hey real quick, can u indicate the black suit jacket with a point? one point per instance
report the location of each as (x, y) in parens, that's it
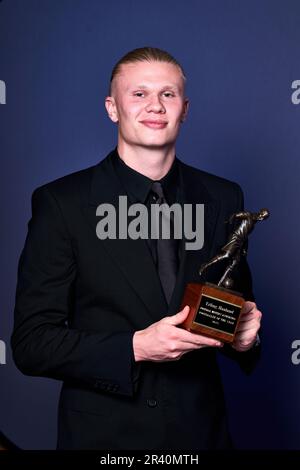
(79, 301)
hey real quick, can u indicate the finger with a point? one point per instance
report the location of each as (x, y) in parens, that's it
(187, 338)
(254, 325)
(254, 314)
(179, 317)
(199, 340)
(248, 307)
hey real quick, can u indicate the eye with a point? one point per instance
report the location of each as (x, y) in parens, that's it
(139, 94)
(168, 94)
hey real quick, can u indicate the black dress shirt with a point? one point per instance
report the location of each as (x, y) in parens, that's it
(138, 188)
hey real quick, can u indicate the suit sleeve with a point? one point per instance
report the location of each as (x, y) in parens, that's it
(42, 342)
(243, 283)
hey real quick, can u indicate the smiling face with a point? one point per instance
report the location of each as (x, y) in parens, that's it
(148, 103)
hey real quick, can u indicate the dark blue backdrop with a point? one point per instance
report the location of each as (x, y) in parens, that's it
(241, 58)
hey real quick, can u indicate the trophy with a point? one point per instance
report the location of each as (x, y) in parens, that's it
(215, 309)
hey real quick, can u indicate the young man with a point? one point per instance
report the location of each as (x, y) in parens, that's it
(101, 313)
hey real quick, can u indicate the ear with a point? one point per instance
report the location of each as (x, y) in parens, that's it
(111, 108)
(185, 109)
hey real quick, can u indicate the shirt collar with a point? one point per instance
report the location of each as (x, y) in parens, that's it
(138, 186)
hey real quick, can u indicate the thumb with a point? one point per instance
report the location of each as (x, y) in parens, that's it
(179, 317)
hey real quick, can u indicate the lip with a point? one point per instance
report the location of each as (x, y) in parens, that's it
(154, 124)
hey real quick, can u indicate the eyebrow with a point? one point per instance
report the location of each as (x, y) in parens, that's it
(145, 87)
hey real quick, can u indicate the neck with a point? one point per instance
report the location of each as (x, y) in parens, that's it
(151, 162)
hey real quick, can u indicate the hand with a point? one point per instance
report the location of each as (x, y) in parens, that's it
(248, 327)
(164, 341)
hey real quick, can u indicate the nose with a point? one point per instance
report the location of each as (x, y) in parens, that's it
(155, 105)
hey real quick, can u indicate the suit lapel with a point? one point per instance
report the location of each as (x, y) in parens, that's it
(132, 256)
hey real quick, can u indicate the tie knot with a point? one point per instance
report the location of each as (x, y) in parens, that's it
(158, 190)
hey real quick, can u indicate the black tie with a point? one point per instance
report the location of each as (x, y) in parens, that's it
(166, 248)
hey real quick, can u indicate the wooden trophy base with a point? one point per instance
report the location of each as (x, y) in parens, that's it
(214, 311)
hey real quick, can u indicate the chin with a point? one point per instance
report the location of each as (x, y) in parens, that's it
(158, 143)
(155, 145)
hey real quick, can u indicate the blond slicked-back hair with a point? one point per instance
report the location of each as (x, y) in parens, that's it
(145, 54)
